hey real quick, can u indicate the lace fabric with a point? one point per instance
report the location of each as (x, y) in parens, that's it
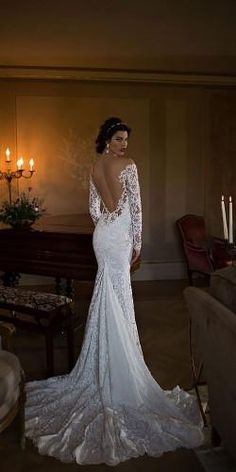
(110, 408)
(131, 193)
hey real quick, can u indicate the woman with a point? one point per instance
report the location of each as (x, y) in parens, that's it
(110, 408)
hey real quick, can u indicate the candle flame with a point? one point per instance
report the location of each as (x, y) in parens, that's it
(31, 164)
(8, 153)
(20, 163)
(230, 199)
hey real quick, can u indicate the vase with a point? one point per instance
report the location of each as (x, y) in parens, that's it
(22, 224)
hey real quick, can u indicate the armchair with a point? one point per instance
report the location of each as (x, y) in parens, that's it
(11, 383)
(203, 253)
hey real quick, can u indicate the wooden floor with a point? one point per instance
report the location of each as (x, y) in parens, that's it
(162, 321)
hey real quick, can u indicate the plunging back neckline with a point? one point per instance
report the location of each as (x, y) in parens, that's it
(121, 199)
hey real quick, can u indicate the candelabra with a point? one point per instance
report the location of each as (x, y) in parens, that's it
(10, 175)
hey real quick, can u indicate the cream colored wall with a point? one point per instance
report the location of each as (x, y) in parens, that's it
(177, 142)
(177, 36)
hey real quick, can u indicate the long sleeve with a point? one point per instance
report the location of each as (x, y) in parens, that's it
(135, 205)
(94, 202)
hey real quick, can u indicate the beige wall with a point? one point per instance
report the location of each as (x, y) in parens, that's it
(170, 35)
(183, 141)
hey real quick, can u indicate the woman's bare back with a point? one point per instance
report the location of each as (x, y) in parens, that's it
(105, 174)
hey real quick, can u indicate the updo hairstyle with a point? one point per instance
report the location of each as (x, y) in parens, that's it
(106, 131)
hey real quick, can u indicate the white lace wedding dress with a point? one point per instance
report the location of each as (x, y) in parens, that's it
(110, 408)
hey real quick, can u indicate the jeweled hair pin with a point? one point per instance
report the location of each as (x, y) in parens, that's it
(114, 125)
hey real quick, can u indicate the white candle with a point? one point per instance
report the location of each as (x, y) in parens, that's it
(31, 164)
(231, 237)
(225, 227)
(8, 153)
(20, 163)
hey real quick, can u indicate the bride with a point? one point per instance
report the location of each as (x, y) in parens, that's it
(110, 408)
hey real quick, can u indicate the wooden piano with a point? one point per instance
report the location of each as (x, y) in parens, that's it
(64, 256)
(59, 254)
(49, 253)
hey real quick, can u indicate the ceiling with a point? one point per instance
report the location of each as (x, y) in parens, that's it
(170, 35)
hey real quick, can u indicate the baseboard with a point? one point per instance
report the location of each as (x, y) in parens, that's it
(160, 271)
(147, 271)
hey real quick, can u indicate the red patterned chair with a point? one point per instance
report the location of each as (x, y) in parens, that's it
(203, 253)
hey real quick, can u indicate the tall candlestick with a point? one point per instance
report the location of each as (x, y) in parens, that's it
(225, 227)
(231, 237)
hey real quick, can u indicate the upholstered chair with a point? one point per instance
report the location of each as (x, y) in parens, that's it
(203, 253)
(11, 383)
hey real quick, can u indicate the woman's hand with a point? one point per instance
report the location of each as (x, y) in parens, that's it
(135, 255)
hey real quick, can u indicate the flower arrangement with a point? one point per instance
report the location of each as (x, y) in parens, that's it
(22, 212)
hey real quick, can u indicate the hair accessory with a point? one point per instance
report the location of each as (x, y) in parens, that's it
(114, 125)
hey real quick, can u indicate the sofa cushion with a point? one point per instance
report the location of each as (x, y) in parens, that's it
(223, 286)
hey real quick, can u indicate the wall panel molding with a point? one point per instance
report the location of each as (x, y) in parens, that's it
(160, 271)
(114, 75)
(148, 271)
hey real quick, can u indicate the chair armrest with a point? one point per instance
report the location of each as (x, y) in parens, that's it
(6, 331)
(198, 257)
(199, 248)
(220, 241)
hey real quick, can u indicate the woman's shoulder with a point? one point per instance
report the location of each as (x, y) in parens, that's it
(113, 166)
(130, 167)
(128, 163)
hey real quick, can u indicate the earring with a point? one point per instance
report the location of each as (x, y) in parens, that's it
(107, 148)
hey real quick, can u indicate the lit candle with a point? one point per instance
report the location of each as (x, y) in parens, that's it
(231, 238)
(31, 164)
(225, 227)
(8, 153)
(20, 163)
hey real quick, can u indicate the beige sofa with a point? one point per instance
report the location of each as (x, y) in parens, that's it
(11, 383)
(213, 316)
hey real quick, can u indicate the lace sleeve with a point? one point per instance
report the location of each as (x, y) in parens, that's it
(135, 205)
(94, 202)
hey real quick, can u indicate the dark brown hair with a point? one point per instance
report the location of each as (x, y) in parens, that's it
(106, 131)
